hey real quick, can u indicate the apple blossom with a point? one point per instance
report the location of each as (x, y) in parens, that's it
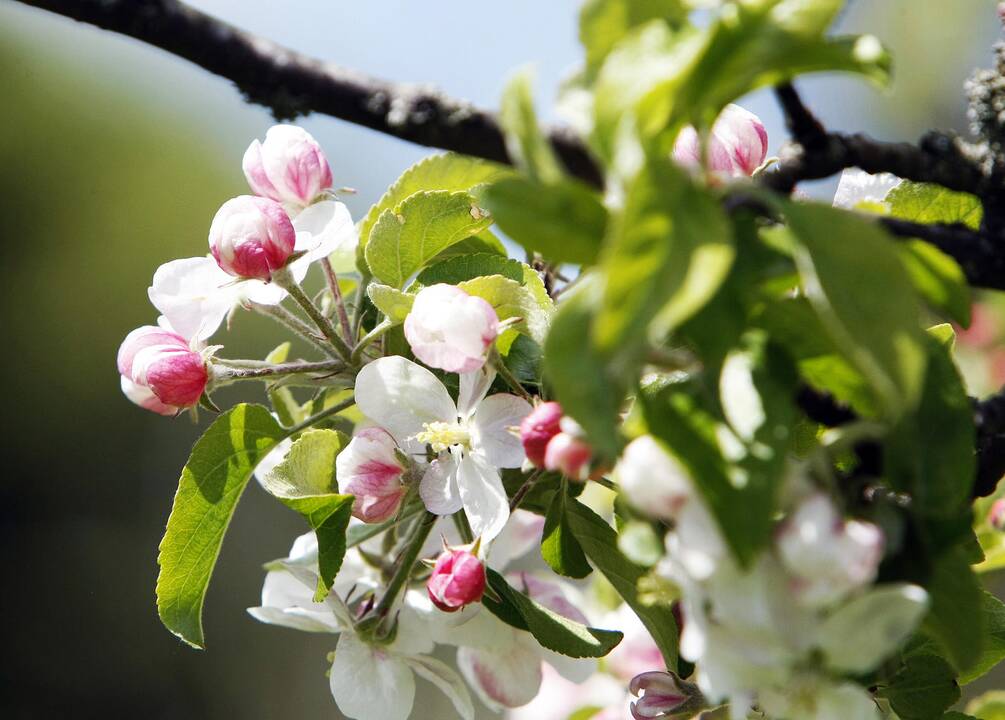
(828, 556)
(568, 454)
(155, 361)
(857, 187)
(289, 167)
(251, 237)
(996, 515)
(663, 694)
(370, 470)
(449, 329)
(367, 680)
(458, 579)
(471, 439)
(737, 144)
(538, 428)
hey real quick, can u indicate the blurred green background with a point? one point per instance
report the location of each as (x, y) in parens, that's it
(113, 159)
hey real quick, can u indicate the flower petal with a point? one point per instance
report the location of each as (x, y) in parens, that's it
(493, 429)
(324, 229)
(576, 670)
(194, 294)
(510, 678)
(438, 487)
(473, 387)
(483, 496)
(369, 682)
(401, 397)
(446, 680)
(522, 532)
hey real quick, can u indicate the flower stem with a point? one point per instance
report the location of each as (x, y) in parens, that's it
(369, 338)
(509, 377)
(291, 322)
(318, 417)
(337, 298)
(270, 371)
(284, 279)
(521, 493)
(406, 562)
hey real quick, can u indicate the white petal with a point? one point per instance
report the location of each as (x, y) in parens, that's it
(864, 631)
(438, 487)
(484, 497)
(473, 387)
(194, 295)
(269, 463)
(263, 293)
(493, 429)
(369, 682)
(846, 702)
(446, 680)
(296, 618)
(282, 590)
(503, 679)
(401, 397)
(413, 636)
(576, 670)
(521, 534)
(326, 228)
(857, 186)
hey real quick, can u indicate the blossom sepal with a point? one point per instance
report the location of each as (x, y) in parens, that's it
(664, 695)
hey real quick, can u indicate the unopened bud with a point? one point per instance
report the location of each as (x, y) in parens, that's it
(996, 515)
(160, 371)
(458, 579)
(449, 329)
(663, 695)
(537, 430)
(251, 237)
(736, 147)
(289, 167)
(569, 455)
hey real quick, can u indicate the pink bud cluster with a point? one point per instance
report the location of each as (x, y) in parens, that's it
(553, 441)
(160, 372)
(663, 695)
(458, 579)
(736, 147)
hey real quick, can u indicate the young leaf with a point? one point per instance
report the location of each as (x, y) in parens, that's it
(956, 619)
(600, 543)
(395, 304)
(602, 23)
(923, 689)
(468, 267)
(406, 238)
(526, 144)
(305, 482)
(938, 279)
(926, 203)
(551, 630)
(211, 483)
(559, 547)
(869, 308)
(993, 623)
(437, 172)
(563, 221)
(587, 388)
(989, 706)
(669, 250)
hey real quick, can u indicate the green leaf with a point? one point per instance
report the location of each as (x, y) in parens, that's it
(483, 243)
(955, 619)
(589, 392)
(989, 706)
(993, 623)
(448, 172)
(510, 299)
(668, 252)
(855, 281)
(602, 23)
(600, 543)
(283, 402)
(640, 543)
(559, 547)
(938, 279)
(923, 689)
(305, 482)
(551, 630)
(211, 483)
(468, 267)
(925, 203)
(526, 144)
(405, 239)
(563, 221)
(395, 304)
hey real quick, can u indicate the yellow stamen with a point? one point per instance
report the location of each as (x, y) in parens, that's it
(441, 435)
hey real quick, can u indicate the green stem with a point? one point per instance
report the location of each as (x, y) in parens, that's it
(284, 279)
(406, 562)
(521, 493)
(271, 371)
(318, 417)
(463, 527)
(291, 322)
(357, 311)
(369, 338)
(337, 298)
(365, 532)
(509, 377)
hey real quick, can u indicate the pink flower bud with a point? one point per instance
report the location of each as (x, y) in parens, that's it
(663, 695)
(736, 147)
(538, 428)
(458, 579)
(996, 515)
(369, 469)
(289, 167)
(251, 237)
(569, 455)
(157, 364)
(449, 329)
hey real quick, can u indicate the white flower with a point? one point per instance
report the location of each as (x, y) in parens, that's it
(857, 187)
(473, 438)
(195, 295)
(367, 680)
(828, 556)
(449, 329)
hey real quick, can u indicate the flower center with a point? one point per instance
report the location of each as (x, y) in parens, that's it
(441, 435)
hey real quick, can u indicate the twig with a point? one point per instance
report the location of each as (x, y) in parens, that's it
(332, 279)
